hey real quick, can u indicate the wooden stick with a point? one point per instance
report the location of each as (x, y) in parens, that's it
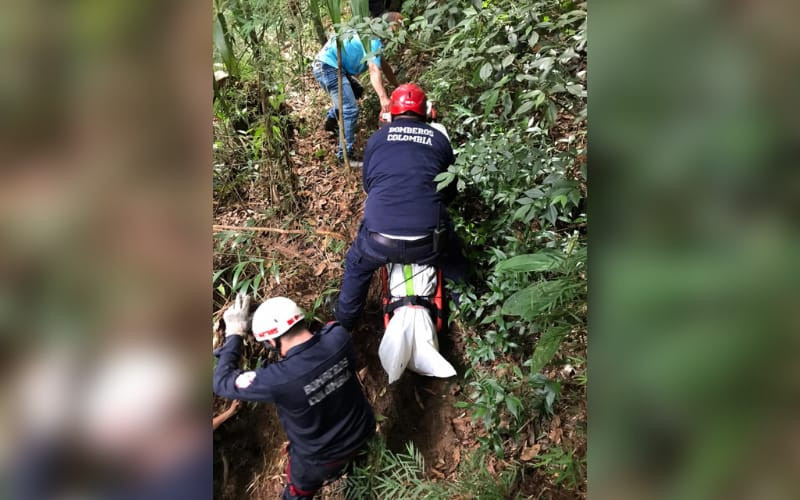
(219, 227)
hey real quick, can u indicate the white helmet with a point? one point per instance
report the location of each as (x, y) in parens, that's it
(274, 317)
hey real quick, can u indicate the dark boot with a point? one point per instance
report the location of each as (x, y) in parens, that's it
(331, 124)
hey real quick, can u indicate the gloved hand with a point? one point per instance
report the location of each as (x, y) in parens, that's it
(236, 317)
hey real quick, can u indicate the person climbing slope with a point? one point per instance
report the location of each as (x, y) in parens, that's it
(405, 217)
(320, 402)
(324, 70)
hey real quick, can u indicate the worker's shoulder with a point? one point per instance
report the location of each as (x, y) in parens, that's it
(335, 329)
(379, 135)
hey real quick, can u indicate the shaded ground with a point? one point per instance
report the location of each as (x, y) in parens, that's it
(248, 456)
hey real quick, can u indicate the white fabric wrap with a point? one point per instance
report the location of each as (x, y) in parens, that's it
(441, 128)
(410, 338)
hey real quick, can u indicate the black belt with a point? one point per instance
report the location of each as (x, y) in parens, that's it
(389, 242)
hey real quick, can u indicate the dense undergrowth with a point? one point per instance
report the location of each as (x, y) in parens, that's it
(510, 77)
(509, 81)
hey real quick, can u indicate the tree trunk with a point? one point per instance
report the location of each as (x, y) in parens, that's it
(316, 20)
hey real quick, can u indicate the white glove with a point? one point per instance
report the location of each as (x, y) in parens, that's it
(236, 316)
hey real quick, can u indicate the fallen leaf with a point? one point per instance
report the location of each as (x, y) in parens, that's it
(490, 466)
(555, 430)
(555, 435)
(456, 457)
(320, 268)
(461, 425)
(529, 452)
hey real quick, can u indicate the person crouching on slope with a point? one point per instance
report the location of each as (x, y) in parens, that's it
(319, 399)
(405, 217)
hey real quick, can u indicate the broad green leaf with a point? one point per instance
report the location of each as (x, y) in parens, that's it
(551, 112)
(575, 89)
(551, 214)
(221, 43)
(335, 10)
(496, 49)
(360, 8)
(444, 179)
(526, 106)
(560, 199)
(547, 347)
(502, 81)
(490, 102)
(513, 405)
(533, 300)
(486, 71)
(508, 59)
(217, 275)
(534, 193)
(521, 212)
(236, 272)
(546, 260)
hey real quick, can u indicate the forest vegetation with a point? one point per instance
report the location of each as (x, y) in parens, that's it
(508, 79)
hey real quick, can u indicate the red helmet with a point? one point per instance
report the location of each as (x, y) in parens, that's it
(408, 97)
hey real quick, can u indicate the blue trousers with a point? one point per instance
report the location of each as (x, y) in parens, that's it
(366, 255)
(326, 76)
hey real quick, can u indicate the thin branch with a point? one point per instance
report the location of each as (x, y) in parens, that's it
(219, 228)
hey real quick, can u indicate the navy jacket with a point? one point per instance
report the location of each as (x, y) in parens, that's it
(400, 162)
(319, 399)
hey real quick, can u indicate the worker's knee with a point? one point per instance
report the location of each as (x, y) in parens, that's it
(350, 111)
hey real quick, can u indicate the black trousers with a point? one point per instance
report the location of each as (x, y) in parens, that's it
(304, 477)
(366, 255)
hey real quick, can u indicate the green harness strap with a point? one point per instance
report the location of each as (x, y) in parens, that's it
(409, 275)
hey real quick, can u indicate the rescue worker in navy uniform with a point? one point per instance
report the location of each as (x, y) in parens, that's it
(405, 217)
(319, 399)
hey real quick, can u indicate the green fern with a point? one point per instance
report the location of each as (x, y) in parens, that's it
(387, 474)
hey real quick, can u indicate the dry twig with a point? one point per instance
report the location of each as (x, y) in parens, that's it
(220, 227)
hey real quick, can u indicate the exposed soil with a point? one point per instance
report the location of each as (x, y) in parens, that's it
(248, 458)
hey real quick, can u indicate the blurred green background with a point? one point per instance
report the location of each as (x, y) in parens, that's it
(694, 245)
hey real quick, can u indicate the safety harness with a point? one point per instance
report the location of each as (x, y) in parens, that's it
(433, 303)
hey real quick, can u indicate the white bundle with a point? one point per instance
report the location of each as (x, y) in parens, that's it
(410, 338)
